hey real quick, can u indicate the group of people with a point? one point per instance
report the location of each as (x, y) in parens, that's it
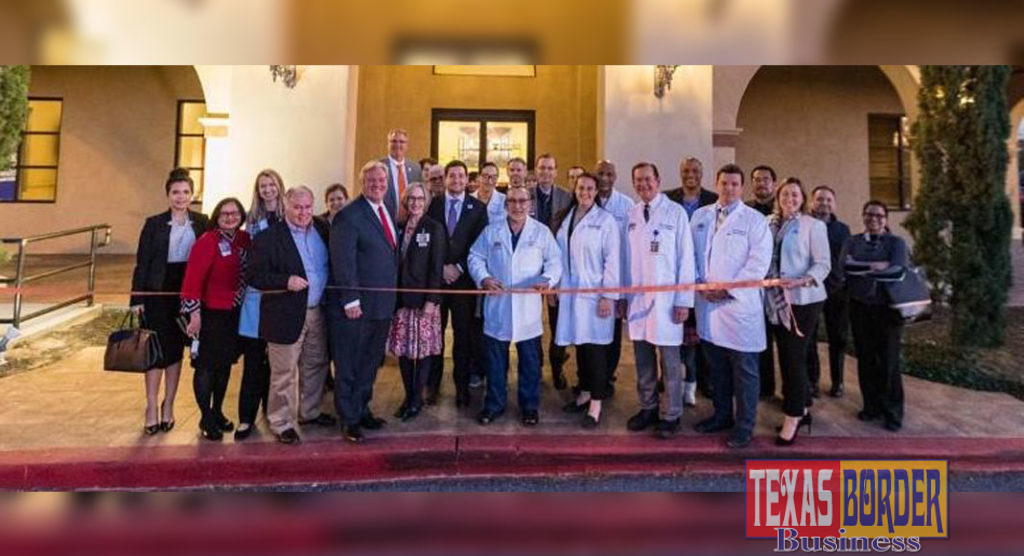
(704, 284)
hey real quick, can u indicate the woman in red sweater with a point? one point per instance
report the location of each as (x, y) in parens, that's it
(210, 297)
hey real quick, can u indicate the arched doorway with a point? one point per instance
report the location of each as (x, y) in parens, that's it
(844, 126)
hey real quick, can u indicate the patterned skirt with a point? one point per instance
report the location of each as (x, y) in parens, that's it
(414, 334)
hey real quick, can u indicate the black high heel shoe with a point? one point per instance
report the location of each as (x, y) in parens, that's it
(165, 426)
(805, 420)
(150, 430)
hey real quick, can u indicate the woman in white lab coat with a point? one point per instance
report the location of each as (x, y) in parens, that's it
(589, 241)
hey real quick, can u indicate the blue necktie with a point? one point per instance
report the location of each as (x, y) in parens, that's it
(453, 216)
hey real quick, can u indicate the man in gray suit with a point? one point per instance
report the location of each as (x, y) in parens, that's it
(401, 172)
(364, 254)
(549, 202)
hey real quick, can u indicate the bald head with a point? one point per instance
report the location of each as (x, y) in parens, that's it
(606, 175)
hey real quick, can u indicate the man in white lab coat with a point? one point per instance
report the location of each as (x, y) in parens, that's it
(516, 253)
(619, 204)
(733, 243)
(660, 253)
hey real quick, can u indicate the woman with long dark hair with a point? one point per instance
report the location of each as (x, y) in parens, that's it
(210, 297)
(588, 238)
(164, 246)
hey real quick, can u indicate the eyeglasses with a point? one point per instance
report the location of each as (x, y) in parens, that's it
(418, 198)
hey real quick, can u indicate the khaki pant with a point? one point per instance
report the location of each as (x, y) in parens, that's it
(297, 374)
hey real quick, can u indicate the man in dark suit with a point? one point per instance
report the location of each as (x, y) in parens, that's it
(401, 172)
(292, 255)
(364, 254)
(549, 202)
(763, 177)
(692, 196)
(463, 217)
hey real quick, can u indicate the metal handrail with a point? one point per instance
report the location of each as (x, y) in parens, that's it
(20, 279)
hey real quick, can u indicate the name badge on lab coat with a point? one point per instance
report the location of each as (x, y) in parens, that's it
(225, 248)
(655, 243)
(423, 239)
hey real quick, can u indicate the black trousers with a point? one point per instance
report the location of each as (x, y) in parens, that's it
(766, 362)
(557, 354)
(837, 322)
(592, 367)
(255, 380)
(793, 357)
(877, 338)
(689, 356)
(465, 339)
(414, 378)
(357, 346)
(614, 351)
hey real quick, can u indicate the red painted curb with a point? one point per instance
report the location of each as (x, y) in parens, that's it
(450, 457)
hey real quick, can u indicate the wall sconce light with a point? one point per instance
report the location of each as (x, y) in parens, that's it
(663, 79)
(289, 75)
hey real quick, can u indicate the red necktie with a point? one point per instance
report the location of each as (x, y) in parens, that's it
(387, 229)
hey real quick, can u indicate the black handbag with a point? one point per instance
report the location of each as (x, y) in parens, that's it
(908, 292)
(132, 349)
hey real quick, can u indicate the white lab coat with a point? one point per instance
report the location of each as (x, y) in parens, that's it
(740, 250)
(495, 207)
(515, 317)
(660, 253)
(619, 205)
(590, 260)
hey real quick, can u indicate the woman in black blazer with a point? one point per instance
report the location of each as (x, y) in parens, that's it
(416, 329)
(164, 245)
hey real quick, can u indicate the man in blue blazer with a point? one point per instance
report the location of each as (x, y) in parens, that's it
(364, 254)
(401, 172)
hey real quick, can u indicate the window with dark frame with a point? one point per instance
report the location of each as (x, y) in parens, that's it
(33, 174)
(889, 160)
(478, 136)
(190, 143)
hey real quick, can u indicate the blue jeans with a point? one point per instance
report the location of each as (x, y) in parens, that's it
(734, 373)
(496, 364)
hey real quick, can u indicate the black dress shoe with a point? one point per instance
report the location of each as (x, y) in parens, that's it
(212, 433)
(225, 424)
(322, 420)
(893, 425)
(243, 431)
(573, 407)
(530, 418)
(486, 417)
(643, 419)
(431, 397)
(372, 423)
(400, 411)
(589, 422)
(353, 434)
(410, 413)
(736, 441)
(667, 429)
(865, 415)
(711, 425)
(289, 437)
(836, 391)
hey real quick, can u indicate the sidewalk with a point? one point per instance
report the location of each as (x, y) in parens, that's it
(72, 425)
